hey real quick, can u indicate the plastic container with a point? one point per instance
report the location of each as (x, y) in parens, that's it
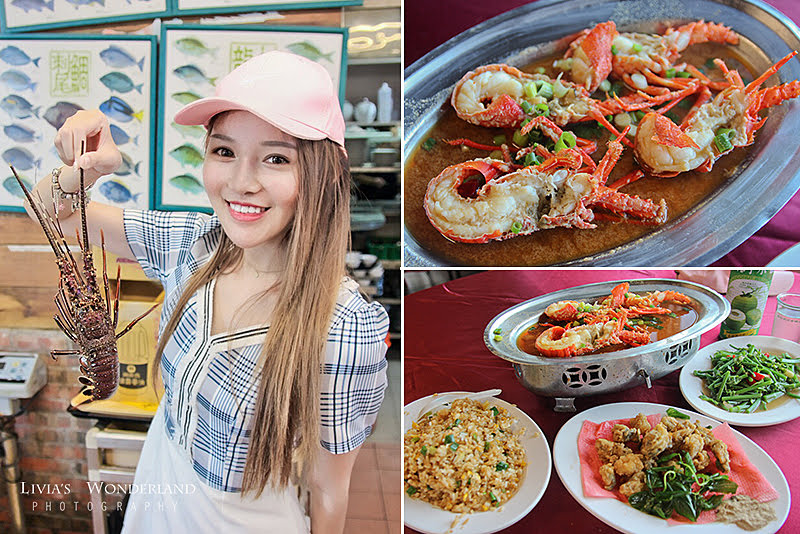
(385, 103)
(747, 293)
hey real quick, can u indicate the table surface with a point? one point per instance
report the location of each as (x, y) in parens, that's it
(429, 24)
(444, 351)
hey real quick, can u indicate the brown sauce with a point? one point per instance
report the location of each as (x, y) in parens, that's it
(547, 247)
(685, 317)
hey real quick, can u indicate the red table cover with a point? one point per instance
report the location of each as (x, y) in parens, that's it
(444, 351)
(429, 24)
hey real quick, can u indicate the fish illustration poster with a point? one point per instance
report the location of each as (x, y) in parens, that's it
(24, 15)
(194, 58)
(45, 80)
(207, 6)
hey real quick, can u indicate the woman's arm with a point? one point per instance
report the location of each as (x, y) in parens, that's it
(330, 486)
(101, 157)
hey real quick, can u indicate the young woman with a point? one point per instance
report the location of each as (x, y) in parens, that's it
(273, 364)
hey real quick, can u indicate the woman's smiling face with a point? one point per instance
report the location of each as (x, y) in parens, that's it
(250, 174)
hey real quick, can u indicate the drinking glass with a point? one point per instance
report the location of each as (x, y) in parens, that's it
(787, 317)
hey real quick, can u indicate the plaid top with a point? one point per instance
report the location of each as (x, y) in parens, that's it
(210, 381)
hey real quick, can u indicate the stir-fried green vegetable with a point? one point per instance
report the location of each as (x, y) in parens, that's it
(679, 488)
(746, 379)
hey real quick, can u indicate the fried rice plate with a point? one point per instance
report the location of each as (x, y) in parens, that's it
(464, 458)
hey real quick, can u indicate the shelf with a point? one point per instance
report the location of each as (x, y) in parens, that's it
(373, 124)
(374, 61)
(374, 169)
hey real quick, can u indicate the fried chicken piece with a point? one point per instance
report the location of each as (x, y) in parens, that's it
(624, 434)
(641, 424)
(702, 460)
(634, 485)
(720, 450)
(607, 476)
(708, 436)
(656, 441)
(691, 442)
(610, 451)
(628, 465)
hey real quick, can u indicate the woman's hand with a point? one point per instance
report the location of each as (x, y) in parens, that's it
(101, 155)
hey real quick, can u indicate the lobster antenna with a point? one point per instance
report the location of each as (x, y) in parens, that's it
(47, 232)
(82, 198)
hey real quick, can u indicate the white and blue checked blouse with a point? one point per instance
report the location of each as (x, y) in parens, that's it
(209, 382)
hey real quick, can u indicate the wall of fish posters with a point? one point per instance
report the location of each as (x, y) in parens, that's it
(46, 79)
(26, 15)
(193, 58)
(220, 6)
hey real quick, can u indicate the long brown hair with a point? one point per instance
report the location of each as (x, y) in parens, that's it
(286, 420)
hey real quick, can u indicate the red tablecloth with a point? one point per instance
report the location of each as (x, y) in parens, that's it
(429, 24)
(444, 351)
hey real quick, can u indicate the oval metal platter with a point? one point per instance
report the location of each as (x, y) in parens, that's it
(711, 308)
(758, 187)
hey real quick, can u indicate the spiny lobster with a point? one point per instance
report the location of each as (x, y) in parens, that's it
(84, 315)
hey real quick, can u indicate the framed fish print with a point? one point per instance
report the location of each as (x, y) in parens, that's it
(202, 7)
(29, 15)
(44, 80)
(192, 58)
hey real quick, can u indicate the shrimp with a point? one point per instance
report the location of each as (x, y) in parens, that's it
(639, 59)
(664, 149)
(504, 204)
(494, 95)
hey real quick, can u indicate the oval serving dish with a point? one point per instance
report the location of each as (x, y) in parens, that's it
(611, 371)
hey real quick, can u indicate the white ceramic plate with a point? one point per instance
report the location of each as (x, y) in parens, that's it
(788, 258)
(785, 409)
(424, 517)
(627, 519)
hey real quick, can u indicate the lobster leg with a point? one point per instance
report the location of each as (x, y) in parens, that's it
(133, 323)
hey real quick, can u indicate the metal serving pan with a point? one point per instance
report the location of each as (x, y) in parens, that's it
(567, 378)
(759, 187)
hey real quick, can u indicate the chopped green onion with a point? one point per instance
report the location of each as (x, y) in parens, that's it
(669, 73)
(723, 143)
(539, 70)
(520, 139)
(501, 466)
(424, 450)
(497, 331)
(516, 227)
(495, 411)
(499, 139)
(531, 159)
(411, 490)
(428, 143)
(636, 47)
(486, 445)
(614, 49)
(545, 89)
(683, 74)
(448, 438)
(542, 109)
(453, 446)
(639, 114)
(499, 337)
(566, 140)
(530, 90)
(492, 496)
(526, 107)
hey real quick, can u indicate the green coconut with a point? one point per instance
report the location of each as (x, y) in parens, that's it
(744, 302)
(735, 320)
(752, 317)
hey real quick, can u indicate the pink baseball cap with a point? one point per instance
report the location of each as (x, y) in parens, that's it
(288, 91)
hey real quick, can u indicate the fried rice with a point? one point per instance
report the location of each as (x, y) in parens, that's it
(464, 458)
